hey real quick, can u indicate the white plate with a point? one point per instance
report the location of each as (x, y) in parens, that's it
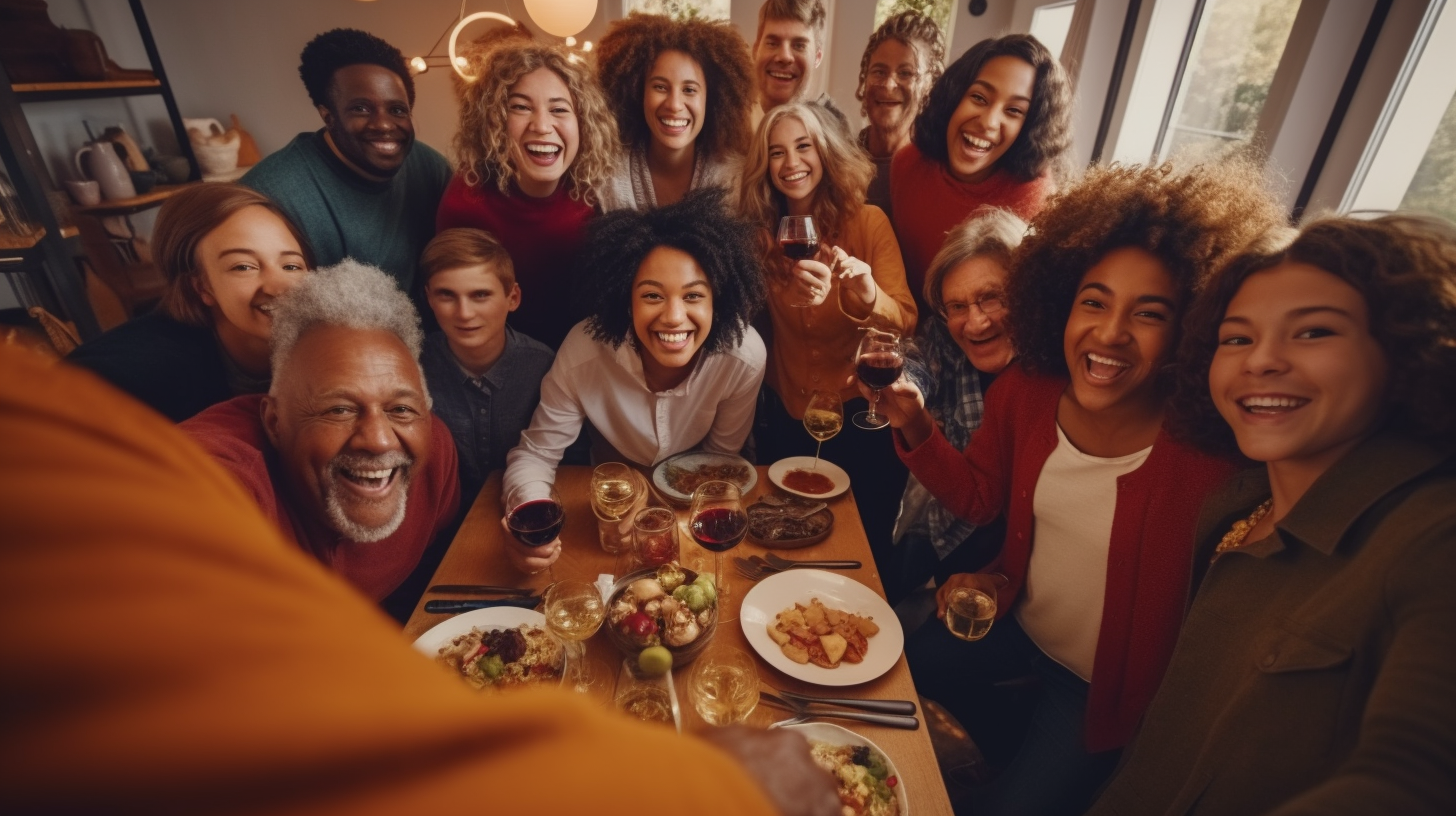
(778, 592)
(835, 473)
(498, 617)
(696, 459)
(835, 735)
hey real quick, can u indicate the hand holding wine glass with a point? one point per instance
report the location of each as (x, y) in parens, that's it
(534, 518)
(718, 523)
(823, 418)
(877, 365)
(809, 280)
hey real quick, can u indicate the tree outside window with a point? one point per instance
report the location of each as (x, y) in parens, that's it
(941, 11)
(683, 9)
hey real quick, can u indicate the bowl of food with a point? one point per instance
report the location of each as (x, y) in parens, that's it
(678, 476)
(782, 522)
(669, 606)
(497, 648)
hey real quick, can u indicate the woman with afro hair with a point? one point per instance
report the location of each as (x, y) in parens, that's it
(993, 132)
(666, 360)
(535, 146)
(681, 92)
(1099, 499)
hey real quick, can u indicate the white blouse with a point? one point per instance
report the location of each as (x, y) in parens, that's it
(590, 380)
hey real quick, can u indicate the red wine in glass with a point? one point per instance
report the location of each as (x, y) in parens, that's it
(879, 369)
(719, 528)
(800, 249)
(537, 523)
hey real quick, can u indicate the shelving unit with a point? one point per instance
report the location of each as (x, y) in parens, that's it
(48, 259)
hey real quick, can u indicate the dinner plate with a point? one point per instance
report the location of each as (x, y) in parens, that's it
(691, 460)
(836, 735)
(498, 617)
(778, 592)
(836, 474)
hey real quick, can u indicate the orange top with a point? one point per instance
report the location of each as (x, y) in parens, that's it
(814, 347)
(167, 651)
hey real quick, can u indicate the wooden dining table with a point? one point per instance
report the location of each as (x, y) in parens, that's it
(477, 556)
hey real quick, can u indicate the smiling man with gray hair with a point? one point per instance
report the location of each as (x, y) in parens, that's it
(343, 453)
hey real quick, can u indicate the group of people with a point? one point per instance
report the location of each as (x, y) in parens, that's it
(1210, 490)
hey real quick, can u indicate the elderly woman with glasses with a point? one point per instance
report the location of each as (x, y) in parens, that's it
(903, 59)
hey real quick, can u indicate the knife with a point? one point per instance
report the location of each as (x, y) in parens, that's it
(882, 706)
(439, 607)
(480, 589)
(801, 714)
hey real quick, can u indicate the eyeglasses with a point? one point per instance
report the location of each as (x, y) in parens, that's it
(989, 305)
(880, 75)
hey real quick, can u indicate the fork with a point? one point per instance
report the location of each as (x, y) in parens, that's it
(801, 713)
(752, 571)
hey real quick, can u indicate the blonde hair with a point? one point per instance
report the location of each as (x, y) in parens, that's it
(847, 172)
(482, 144)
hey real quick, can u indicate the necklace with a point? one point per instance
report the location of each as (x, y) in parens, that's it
(1234, 538)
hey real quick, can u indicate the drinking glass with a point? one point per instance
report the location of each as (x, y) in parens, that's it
(877, 364)
(823, 419)
(724, 686)
(574, 612)
(799, 240)
(650, 699)
(654, 536)
(533, 518)
(969, 613)
(615, 490)
(717, 522)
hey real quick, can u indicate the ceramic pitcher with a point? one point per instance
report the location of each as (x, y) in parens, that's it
(104, 166)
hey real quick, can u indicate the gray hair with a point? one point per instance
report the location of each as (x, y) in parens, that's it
(987, 231)
(351, 294)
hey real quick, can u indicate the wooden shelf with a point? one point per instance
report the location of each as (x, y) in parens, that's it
(135, 204)
(42, 91)
(9, 240)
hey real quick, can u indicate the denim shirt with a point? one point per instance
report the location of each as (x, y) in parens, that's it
(485, 415)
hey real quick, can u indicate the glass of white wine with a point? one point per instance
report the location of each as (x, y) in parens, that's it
(647, 698)
(969, 613)
(615, 490)
(574, 612)
(823, 419)
(724, 686)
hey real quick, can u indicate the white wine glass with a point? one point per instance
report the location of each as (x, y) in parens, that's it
(877, 364)
(724, 686)
(969, 613)
(574, 612)
(823, 418)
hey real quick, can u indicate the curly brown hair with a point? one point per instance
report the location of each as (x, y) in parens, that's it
(1047, 131)
(1195, 222)
(482, 146)
(630, 48)
(921, 35)
(847, 172)
(1404, 265)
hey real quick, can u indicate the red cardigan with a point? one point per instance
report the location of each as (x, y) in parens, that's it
(1150, 556)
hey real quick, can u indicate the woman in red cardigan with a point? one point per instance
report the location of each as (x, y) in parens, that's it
(1099, 500)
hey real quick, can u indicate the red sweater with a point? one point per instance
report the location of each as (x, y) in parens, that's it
(543, 237)
(233, 433)
(1150, 556)
(928, 201)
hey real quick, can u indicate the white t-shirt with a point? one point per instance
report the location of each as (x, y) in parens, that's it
(1060, 608)
(592, 380)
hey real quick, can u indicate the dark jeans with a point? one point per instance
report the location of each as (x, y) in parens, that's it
(1024, 710)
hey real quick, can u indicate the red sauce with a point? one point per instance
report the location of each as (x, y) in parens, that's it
(806, 481)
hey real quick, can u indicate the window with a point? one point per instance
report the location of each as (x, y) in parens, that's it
(941, 11)
(1433, 190)
(681, 9)
(1230, 67)
(1050, 25)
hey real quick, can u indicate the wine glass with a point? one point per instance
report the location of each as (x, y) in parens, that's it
(717, 522)
(799, 239)
(615, 489)
(533, 518)
(724, 686)
(878, 363)
(823, 419)
(574, 612)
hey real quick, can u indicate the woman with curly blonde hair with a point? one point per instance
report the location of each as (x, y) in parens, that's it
(1099, 499)
(903, 59)
(681, 92)
(802, 162)
(534, 150)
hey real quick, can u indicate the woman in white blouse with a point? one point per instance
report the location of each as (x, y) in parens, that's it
(666, 362)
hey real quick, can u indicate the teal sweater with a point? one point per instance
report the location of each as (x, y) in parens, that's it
(344, 215)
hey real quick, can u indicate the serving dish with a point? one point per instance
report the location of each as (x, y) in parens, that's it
(762, 518)
(778, 470)
(778, 592)
(681, 655)
(693, 460)
(837, 735)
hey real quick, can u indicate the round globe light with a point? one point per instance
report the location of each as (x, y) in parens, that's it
(563, 18)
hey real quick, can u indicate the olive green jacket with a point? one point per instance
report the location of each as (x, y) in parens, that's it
(1316, 672)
